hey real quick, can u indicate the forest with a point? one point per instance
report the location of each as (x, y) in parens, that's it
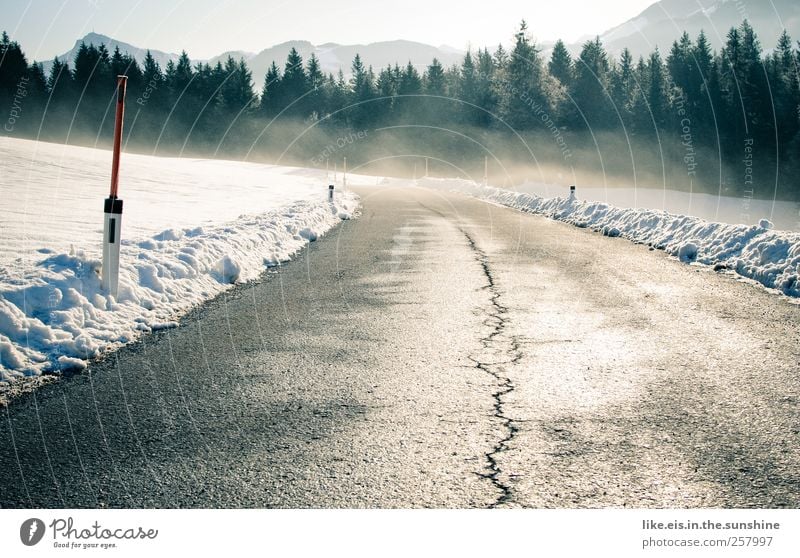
(691, 118)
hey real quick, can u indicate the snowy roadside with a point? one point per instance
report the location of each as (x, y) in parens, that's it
(757, 252)
(54, 316)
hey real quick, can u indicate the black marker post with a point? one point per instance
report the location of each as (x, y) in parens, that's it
(112, 208)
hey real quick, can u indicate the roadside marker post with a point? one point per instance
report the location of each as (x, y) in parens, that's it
(344, 175)
(486, 171)
(112, 207)
(572, 191)
(330, 192)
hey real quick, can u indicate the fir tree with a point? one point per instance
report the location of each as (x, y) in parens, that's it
(560, 65)
(590, 87)
(268, 104)
(523, 89)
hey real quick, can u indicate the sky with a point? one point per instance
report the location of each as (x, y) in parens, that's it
(205, 28)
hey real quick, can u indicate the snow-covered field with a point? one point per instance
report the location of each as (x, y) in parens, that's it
(190, 229)
(758, 252)
(723, 209)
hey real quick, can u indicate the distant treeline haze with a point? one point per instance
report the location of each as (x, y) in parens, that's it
(724, 121)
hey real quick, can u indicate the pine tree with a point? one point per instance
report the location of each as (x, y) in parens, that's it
(468, 86)
(657, 93)
(560, 65)
(362, 85)
(681, 66)
(294, 85)
(754, 84)
(487, 97)
(590, 89)
(523, 90)
(435, 79)
(387, 83)
(410, 82)
(13, 66)
(337, 94)
(316, 104)
(272, 82)
(236, 88)
(622, 83)
(703, 97)
(641, 115)
(785, 88)
(37, 82)
(386, 90)
(179, 75)
(60, 78)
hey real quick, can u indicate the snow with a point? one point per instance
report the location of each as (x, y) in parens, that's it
(687, 252)
(191, 229)
(785, 215)
(758, 252)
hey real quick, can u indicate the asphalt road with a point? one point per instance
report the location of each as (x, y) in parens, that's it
(436, 352)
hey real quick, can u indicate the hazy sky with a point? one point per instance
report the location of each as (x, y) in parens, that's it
(207, 27)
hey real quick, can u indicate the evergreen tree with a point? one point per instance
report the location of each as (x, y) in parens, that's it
(59, 81)
(316, 103)
(623, 85)
(37, 82)
(590, 87)
(704, 79)
(294, 85)
(435, 79)
(269, 92)
(681, 66)
(523, 90)
(560, 65)
(13, 65)
(337, 94)
(410, 82)
(468, 84)
(657, 92)
(362, 86)
(236, 90)
(486, 93)
(386, 90)
(785, 87)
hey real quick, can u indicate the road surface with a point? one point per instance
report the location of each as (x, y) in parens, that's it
(436, 352)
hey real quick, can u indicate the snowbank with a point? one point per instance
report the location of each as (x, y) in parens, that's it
(54, 314)
(757, 252)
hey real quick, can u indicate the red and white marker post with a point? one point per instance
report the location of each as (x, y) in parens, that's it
(112, 208)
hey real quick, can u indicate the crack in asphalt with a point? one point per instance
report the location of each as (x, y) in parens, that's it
(498, 320)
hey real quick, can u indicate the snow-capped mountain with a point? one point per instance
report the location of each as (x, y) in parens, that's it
(332, 56)
(664, 21)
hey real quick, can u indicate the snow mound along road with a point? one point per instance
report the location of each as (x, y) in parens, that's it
(757, 252)
(57, 316)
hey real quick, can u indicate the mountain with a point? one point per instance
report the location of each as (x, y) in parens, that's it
(97, 39)
(663, 22)
(332, 56)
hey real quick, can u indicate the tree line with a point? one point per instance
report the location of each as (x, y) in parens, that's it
(712, 115)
